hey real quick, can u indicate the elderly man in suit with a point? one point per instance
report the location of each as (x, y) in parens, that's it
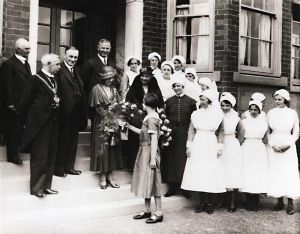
(42, 100)
(15, 74)
(72, 113)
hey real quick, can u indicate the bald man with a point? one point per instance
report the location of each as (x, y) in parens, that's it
(16, 73)
(42, 99)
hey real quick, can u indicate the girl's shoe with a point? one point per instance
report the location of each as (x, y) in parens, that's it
(209, 209)
(200, 208)
(142, 215)
(155, 219)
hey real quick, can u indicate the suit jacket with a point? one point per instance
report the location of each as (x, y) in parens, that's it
(67, 88)
(91, 70)
(38, 98)
(15, 77)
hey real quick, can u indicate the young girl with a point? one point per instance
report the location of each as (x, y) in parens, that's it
(146, 180)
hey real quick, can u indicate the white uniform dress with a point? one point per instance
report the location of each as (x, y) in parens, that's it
(165, 86)
(203, 169)
(255, 159)
(232, 152)
(283, 167)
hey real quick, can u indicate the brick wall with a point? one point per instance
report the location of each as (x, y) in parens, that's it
(226, 42)
(286, 38)
(15, 23)
(154, 28)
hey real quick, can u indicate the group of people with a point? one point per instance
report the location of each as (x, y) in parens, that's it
(212, 150)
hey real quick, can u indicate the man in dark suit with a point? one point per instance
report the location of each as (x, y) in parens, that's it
(72, 113)
(15, 74)
(40, 138)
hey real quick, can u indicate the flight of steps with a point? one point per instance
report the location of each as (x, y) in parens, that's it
(79, 199)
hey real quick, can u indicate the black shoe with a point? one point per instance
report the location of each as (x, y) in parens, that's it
(209, 209)
(170, 193)
(39, 194)
(142, 215)
(60, 174)
(155, 219)
(73, 172)
(290, 210)
(278, 207)
(51, 191)
(16, 161)
(200, 208)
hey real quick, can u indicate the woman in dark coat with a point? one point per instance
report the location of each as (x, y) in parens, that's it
(178, 110)
(144, 83)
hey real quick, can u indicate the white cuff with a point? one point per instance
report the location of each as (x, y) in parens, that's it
(188, 144)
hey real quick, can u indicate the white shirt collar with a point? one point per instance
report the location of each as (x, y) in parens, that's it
(22, 59)
(181, 95)
(102, 59)
(68, 66)
(47, 73)
(152, 114)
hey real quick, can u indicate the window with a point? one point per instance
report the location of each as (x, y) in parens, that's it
(260, 36)
(295, 51)
(191, 35)
(57, 29)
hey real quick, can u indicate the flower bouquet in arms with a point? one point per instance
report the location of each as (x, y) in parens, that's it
(130, 114)
(165, 130)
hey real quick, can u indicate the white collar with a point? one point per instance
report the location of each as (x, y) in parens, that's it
(181, 95)
(153, 114)
(68, 66)
(22, 59)
(47, 73)
(102, 58)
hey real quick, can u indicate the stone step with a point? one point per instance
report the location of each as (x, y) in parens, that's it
(10, 170)
(45, 218)
(88, 179)
(83, 150)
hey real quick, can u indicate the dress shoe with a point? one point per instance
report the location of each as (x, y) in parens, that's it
(170, 193)
(51, 191)
(278, 207)
(200, 208)
(73, 172)
(60, 174)
(155, 219)
(290, 210)
(113, 184)
(142, 215)
(103, 185)
(39, 194)
(209, 209)
(16, 161)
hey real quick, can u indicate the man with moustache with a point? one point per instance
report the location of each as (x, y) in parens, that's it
(15, 74)
(72, 113)
(40, 139)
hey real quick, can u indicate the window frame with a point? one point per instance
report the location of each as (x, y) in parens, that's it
(170, 42)
(294, 45)
(276, 22)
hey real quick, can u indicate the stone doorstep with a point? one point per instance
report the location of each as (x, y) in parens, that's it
(20, 184)
(55, 216)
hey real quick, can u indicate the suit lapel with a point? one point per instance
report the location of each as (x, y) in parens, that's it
(20, 66)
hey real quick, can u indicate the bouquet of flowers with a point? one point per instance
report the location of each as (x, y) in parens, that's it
(131, 114)
(165, 130)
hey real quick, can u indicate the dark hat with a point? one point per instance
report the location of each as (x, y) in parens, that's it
(108, 72)
(146, 70)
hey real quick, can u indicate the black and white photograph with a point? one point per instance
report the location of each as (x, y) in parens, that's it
(149, 116)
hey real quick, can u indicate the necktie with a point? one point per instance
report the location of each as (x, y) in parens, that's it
(105, 61)
(27, 67)
(72, 71)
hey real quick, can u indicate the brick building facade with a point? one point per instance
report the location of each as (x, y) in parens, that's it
(21, 18)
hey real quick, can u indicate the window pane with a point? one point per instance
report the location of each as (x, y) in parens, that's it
(44, 34)
(62, 51)
(254, 53)
(65, 36)
(246, 2)
(199, 1)
(182, 2)
(254, 24)
(199, 50)
(258, 4)
(200, 25)
(296, 29)
(270, 5)
(66, 18)
(41, 50)
(44, 15)
(295, 68)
